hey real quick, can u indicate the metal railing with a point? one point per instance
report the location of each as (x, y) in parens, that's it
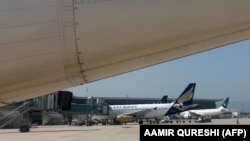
(12, 115)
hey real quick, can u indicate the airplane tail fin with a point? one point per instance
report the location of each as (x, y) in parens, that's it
(186, 97)
(163, 99)
(225, 102)
(184, 101)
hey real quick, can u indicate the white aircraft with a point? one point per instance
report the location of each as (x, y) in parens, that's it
(206, 114)
(50, 45)
(129, 113)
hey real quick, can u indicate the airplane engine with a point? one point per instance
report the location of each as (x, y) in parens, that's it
(179, 106)
(187, 115)
(125, 118)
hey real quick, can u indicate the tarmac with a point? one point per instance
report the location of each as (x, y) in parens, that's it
(91, 133)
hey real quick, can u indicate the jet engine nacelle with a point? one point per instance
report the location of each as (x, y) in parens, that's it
(186, 115)
(125, 118)
(178, 105)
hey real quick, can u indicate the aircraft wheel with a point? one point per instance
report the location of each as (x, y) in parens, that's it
(140, 122)
(24, 128)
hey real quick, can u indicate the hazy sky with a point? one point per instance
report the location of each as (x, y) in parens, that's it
(218, 73)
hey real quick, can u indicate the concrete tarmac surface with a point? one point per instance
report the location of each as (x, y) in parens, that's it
(129, 132)
(74, 133)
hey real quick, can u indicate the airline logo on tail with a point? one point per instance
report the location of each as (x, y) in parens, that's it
(184, 101)
(225, 102)
(187, 97)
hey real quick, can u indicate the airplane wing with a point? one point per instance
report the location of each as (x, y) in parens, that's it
(50, 45)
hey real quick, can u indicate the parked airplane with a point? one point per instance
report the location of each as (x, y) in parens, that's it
(102, 116)
(50, 45)
(129, 113)
(206, 114)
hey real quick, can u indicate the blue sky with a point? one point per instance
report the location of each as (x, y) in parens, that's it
(219, 73)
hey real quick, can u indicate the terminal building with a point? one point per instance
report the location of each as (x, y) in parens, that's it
(56, 107)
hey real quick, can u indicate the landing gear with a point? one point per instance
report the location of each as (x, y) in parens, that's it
(140, 121)
(24, 128)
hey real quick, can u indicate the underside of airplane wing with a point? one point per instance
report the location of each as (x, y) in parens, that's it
(50, 45)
